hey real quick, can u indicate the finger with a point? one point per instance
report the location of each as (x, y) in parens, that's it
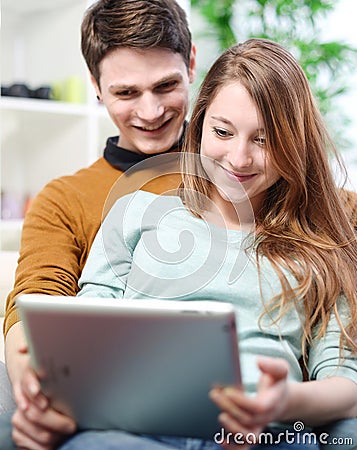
(51, 420)
(31, 384)
(276, 368)
(237, 397)
(233, 402)
(235, 447)
(255, 411)
(32, 389)
(31, 426)
(21, 400)
(24, 442)
(27, 435)
(238, 433)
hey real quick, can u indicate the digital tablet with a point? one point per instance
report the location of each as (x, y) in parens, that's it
(143, 366)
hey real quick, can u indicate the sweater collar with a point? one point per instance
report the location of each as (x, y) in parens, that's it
(123, 159)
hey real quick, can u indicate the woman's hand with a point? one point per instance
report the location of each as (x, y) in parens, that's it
(243, 415)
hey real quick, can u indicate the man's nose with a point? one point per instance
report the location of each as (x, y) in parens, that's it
(150, 108)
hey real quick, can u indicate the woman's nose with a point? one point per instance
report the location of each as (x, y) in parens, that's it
(240, 155)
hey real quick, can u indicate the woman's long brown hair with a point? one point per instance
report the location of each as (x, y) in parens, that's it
(303, 226)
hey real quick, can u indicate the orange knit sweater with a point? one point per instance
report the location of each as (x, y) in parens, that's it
(64, 218)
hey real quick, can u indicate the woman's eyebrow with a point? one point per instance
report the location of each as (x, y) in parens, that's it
(221, 119)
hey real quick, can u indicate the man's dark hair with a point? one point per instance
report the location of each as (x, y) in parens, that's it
(141, 24)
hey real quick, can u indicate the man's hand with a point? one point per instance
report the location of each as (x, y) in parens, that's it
(36, 426)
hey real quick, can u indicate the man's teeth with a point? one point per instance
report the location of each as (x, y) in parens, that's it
(151, 128)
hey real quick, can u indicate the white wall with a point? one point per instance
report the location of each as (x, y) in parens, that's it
(338, 25)
(341, 25)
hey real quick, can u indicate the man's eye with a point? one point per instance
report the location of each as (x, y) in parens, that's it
(167, 86)
(126, 93)
(221, 132)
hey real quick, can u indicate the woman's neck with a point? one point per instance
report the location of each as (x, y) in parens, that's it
(231, 216)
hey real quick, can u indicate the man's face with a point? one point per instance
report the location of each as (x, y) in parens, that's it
(146, 93)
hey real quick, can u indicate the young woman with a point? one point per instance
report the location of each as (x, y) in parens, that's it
(256, 119)
(258, 222)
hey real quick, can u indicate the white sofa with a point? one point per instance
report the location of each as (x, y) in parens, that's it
(8, 263)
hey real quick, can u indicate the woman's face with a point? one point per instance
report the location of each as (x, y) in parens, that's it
(233, 148)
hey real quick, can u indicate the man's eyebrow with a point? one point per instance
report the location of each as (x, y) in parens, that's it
(134, 87)
(170, 77)
(122, 87)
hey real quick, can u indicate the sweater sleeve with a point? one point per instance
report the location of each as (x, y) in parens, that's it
(109, 260)
(325, 359)
(52, 247)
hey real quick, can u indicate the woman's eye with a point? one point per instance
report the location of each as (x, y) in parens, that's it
(261, 140)
(221, 132)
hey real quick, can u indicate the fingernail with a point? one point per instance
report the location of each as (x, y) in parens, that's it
(228, 390)
(34, 388)
(213, 394)
(42, 403)
(223, 418)
(71, 428)
(22, 405)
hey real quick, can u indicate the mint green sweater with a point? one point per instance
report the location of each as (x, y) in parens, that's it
(151, 246)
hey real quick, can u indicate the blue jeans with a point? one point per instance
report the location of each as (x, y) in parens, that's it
(6, 400)
(340, 435)
(6, 442)
(118, 440)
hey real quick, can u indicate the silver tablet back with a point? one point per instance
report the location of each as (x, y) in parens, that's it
(136, 365)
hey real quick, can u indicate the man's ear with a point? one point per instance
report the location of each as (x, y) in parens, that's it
(96, 87)
(192, 67)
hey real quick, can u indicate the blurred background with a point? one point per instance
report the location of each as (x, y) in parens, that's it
(51, 123)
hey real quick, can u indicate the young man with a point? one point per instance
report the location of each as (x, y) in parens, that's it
(142, 61)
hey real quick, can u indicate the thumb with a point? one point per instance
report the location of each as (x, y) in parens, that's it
(273, 370)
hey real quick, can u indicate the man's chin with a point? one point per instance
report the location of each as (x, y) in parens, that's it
(156, 150)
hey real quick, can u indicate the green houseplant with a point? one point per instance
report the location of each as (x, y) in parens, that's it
(295, 24)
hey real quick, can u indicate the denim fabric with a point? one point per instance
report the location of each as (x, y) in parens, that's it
(341, 435)
(6, 400)
(117, 440)
(6, 442)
